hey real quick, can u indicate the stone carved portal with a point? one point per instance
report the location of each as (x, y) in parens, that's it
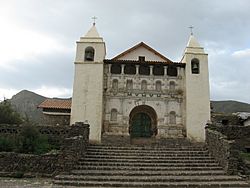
(142, 122)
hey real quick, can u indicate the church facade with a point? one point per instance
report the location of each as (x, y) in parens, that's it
(140, 93)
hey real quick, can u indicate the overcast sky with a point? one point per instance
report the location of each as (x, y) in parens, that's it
(37, 39)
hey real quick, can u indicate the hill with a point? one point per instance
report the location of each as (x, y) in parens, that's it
(26, 102)
(230, 106)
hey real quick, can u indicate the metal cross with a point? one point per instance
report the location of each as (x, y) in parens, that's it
(94, 19)
(191, 29)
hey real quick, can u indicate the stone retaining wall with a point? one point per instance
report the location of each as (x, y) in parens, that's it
(74, 140)
(223, 150)
(56, 134)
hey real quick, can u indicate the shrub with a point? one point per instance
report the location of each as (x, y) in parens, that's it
(8, 115)
(18, 174)
(245, 156)
(6, 144)
(31, 141)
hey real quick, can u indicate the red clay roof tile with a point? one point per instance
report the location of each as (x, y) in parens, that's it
(56, 104)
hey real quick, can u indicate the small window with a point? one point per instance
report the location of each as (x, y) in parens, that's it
(144, 85)
(158, 86)
(172, 71)
(129, 84)
(129, 69)
(172, 117)
(195, 66)
(115, 84)
(144, 70)
(171, 85)
(158, 70)
(89, 54)
(116, 69)
(113, 116)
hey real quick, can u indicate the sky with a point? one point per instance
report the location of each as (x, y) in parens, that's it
(38, 39)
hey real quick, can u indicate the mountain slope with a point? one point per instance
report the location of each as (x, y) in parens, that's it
(230, 106)
(26, 102)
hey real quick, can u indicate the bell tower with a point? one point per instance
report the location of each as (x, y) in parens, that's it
(197, 97)
(87, 100)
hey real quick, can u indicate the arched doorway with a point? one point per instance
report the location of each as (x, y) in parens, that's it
(142, 122)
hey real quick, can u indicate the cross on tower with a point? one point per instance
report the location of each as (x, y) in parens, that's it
(94, 19)
(191, 29)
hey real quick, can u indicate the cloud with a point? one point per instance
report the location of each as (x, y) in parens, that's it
(242, 53)
(54, 91)
(38, 38)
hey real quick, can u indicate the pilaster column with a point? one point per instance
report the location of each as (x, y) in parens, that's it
(137, 69)
(109, 68)
(122, 72)
(165, 71)
(151, 70)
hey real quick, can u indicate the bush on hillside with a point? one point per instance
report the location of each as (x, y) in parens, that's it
(8, 115)
(6, 144)
(29, 141)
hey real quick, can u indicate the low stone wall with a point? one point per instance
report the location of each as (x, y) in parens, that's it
(232, 132)
(56, 134)
(223, 150)
(74, 141)
(12, 164)
(51, 119)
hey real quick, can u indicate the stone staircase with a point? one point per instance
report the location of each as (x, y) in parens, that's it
(154, 166)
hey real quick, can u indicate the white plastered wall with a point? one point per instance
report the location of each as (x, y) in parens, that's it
(197, 97)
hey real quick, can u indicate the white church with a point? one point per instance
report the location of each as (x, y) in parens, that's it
(140, 93)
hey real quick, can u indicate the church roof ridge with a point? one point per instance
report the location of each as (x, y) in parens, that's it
(142, 44)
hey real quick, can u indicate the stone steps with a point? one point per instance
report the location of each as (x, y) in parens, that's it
(138, 166)
(149, 168)
(156, 161)
(145, 152)
(184, 184)
(148, 173)
(150, 178)
(146, 148)
(114, 157)
(101, 153)
(127, 164)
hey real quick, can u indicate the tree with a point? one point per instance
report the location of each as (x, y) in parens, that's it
(8, 115)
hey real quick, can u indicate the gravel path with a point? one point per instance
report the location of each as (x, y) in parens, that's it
(25, 183)
(29, 183)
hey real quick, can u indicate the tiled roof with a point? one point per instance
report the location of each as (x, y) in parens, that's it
(56, 104)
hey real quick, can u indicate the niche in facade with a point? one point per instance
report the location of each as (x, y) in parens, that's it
(116, 69)
(158, 85)
(115, 84)
(172, 117)
(89, 54)
(144, 85)
(171, 85)
(129, 69)
(129, 84)
(113, 116)
(158, 70)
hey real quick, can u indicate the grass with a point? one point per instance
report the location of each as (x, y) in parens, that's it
(245, 156)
